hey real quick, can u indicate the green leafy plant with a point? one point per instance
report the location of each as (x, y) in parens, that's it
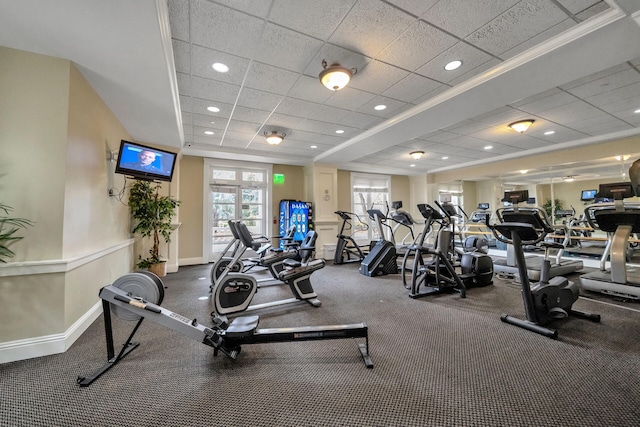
(547, 207)
(8, 227)
(152, 214)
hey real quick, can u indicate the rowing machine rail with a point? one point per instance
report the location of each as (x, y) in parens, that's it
(242, 330)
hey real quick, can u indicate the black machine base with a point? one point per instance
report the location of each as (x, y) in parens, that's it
(381, 260)
(541, 329)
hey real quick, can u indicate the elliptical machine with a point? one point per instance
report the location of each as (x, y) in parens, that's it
(347, 249)
(546, 300)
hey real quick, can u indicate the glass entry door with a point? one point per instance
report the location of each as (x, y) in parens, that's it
(224, 201)
(231, 202)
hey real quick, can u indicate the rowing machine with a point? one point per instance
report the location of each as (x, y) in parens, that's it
(136, 296)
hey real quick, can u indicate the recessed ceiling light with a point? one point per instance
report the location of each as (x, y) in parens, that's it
(412, 165)
(339, 131)
(213, 123)
(213, 109)
(220, 67)
(314, 146)
(445, 157)
(380, 107)
(208, 132)
(550, 132)
(488, 147)
(453, 65)
(637, 111)
(523, 171)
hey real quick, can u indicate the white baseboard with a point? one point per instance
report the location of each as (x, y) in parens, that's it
(191, 261)
(50, 344)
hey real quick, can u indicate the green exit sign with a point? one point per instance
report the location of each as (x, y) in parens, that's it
(278, 178)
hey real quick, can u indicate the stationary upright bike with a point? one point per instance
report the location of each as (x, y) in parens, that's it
(544, 301)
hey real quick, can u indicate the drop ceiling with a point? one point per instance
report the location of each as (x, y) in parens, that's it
(571, 65)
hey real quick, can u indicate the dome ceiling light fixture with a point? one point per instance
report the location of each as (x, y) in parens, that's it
(416, 154)
(521, 125)
(274, 138)
(569, 178)
(335, 77)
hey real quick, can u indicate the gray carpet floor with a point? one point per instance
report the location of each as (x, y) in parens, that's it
(439, 361)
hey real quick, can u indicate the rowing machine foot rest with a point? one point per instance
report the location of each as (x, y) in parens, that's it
(242, 326)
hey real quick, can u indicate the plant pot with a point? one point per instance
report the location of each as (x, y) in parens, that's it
(159, 269)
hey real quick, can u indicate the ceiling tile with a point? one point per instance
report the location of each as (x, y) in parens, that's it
(461, 18)
(297, 107)
(310, 89)
(577, 6)
(256, 8)
(270, 79)
(287, 49)
(355, 28)
(179, 22)
(516, 26)
(253, 98)
(214, 90)
(182, 56)
(393, 105)
(539, 38)
(203, 58)
(360, 120)
(470, 56)
(317, 19)
(417, 46)
(233, 32)
(412, 87)
(377, 77)
(607, 83)
(348, 98)
(417, 8)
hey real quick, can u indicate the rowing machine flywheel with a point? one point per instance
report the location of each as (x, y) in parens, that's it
(141, 284)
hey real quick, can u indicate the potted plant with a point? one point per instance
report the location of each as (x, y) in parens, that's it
(152, 214)
(8, 228)
(547, 208)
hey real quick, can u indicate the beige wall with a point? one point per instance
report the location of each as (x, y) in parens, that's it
(191, 207)
(55, 131)
(34, 105)
(292, 189)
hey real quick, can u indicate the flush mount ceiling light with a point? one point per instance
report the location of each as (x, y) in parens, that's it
(416, 154)
(521, 125)
(274, 138)
(453, 65)
(335, 77)
(220, 67)
(569, 178)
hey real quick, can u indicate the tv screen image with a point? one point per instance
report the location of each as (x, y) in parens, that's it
(588, 195)
(143, 162)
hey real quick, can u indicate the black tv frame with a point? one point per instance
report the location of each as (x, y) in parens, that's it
(165, 162)
(585, 198)
(516, 196)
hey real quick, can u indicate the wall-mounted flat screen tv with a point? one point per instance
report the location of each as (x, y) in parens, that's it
(142, 162)
(588, 195)
(516, 196)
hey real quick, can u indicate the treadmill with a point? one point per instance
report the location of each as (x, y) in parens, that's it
(559, 266)
(619, 220)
